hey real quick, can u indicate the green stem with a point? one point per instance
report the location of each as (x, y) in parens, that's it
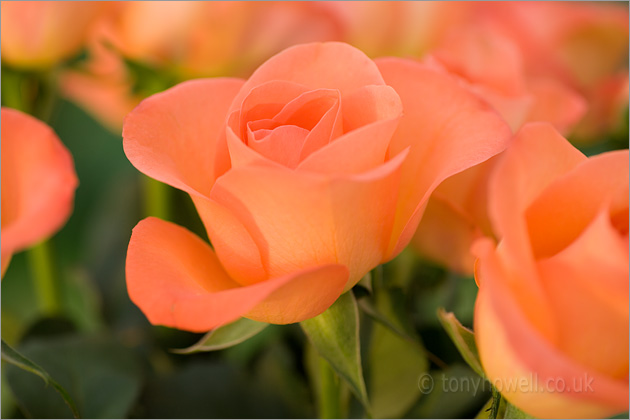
(47, 95)
(40, 259)
(156, 198)
(35, 94)
(330, 404)
(12, 90)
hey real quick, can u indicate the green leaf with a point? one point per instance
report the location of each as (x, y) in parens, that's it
(463, 338)
(335, 335)
(395, 366)
(513, 412)
(103, 376)
(226, 336)
(10, 355)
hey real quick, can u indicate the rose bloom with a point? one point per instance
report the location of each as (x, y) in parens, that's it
(491, 66)
(39, 34)
(402, 28)
(306, 176)
(38, 183)
(552, 309)
(215, 38)
(582, 44)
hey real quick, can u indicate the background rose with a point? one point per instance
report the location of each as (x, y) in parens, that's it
(172, 41)
(40, 34)
(38, 182)
(582, 45)
(306, 176)
(553, 295)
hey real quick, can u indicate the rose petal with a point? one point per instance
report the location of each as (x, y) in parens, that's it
(448, 130)
(329, 127)
(232, 242)
(282, 144)
(265, 101)
(537, 156)
(172, 136)
(556, 103)
(307, 109)
(331, 65)
(483, 56)
(588, 285)
(524, 363)
(38, 181)
(324, 220)
(237, 152)
(562, 211)
(177, 281)
(370, 117)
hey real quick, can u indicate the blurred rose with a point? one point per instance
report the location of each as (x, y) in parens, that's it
(306, 176)
(38, 183)
(582, 45)
(490, 65)
(39, 34)
(216, 38)
(103, 85)
(404, 28)
(181, 40)
(552, 309)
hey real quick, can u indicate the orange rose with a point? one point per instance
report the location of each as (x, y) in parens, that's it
(403, 28)
(215, 38)
(38, 183)
(39, 34)
(581, 44)
(306, 176)
(490, 65)
(551, 318)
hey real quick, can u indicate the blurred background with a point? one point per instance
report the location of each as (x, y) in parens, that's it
(101, 348)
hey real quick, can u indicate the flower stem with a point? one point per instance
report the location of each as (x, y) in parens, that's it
(35, 93)
(40, 259)
(331, 404)
(156, 198)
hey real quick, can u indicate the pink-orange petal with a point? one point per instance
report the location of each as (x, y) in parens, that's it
(370, 117)
(557, 104)
(355, 152)
(282, 144)
(563, 210)
(38, 181)
(513, 352)
(172, 136)
(265, 101)
(447, 128)
(177, 281)
(232, 243)
(331, 65)
(588, 285)
(536, 157)
(299, 219)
